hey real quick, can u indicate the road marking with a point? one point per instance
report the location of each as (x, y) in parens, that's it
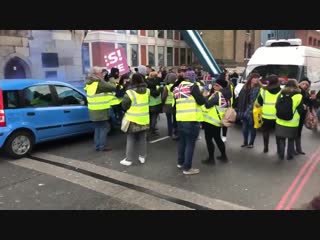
(160, 139)
(302, 183)
(296, 180)
(160, 188)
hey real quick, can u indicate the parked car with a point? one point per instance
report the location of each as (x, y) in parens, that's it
(34, 111)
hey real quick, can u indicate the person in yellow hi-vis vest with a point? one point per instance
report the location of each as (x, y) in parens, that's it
(168, 109)
(136, 104)
(155, 104)
(289, 106)
(267, 100)
(99, 96)
(228, 93)
(213, 111)
(188, 101)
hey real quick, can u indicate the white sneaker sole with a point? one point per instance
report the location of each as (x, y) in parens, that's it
(142, 160)
(125, 162)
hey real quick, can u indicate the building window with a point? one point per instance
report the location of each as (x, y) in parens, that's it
(189, 56)
(248, 31)
(51, 74)
(124, 46)
(160, 33)
(314, 42)
(182, 56)
(170, 34)
(151, 56)
(85, 58)
(160, 56)
(269, 36)
(249, 50)
(310, 41)
(134, 55)
(50, 60)
(176, 56)
(122, 31)
(169, 56)
(133, 32)
(150, 33)
(318, 43)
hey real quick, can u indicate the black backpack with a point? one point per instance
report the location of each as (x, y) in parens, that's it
(284, 108)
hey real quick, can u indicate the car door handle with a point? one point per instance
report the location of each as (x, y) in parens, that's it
(66, 111)
(31, 113)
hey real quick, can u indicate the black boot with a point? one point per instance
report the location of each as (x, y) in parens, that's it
(223, 158)
(209, 160)
(298, 146)
(265, 142)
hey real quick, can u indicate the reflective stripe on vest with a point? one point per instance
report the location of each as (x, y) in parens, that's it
(169, 99)
(187, 109)
(211, 115)
(154, 101)
(139, 109)
(294, 122)
(98, 101)
(269, 104)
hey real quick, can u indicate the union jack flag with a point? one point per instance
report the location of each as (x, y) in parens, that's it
(182, 91)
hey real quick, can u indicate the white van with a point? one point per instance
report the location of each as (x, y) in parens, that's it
(287, 59)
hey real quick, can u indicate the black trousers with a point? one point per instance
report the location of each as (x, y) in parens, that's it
(210, 132)
(282, 146)
(224, 131)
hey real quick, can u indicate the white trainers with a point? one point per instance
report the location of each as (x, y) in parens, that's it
(179, 166)
(224, 139)
(142, 159)
(125, 162)
(191, 171)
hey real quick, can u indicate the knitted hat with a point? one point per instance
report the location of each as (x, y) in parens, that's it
(142, 70)
(305, 79)
(221, 82)
(191, 75)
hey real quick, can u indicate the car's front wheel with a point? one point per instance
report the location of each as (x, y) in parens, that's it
(19, 144)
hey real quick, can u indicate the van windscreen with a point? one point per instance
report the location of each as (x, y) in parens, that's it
(283, 71)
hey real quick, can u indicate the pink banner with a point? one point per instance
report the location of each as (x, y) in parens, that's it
(117, 59)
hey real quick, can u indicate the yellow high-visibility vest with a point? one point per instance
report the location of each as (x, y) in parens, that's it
(269, 104)
(169, 99)
(210, 115)
(139, 109)
(98, 101)
(187, 109)
(294, 122)
(154, 101)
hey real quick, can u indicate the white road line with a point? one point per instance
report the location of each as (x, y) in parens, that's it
(160, 139)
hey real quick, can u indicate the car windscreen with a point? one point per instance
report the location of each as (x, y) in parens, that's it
(283, 71)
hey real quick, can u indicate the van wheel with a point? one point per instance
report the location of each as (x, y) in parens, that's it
(19, 144)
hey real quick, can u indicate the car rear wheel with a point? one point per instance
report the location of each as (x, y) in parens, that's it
(19, 144)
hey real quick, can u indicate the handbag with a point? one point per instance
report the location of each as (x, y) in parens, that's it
(125, 124)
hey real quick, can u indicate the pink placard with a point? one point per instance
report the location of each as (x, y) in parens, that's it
(117, 59)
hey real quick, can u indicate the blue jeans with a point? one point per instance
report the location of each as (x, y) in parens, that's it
(101, 130)
(188, 134)
(172, 124)
(247, 130)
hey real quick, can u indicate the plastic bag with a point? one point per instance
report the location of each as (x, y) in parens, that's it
(257, 116)
(311, 120)
(125, 124)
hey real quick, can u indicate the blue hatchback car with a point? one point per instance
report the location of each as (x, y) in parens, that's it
(33, 111)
